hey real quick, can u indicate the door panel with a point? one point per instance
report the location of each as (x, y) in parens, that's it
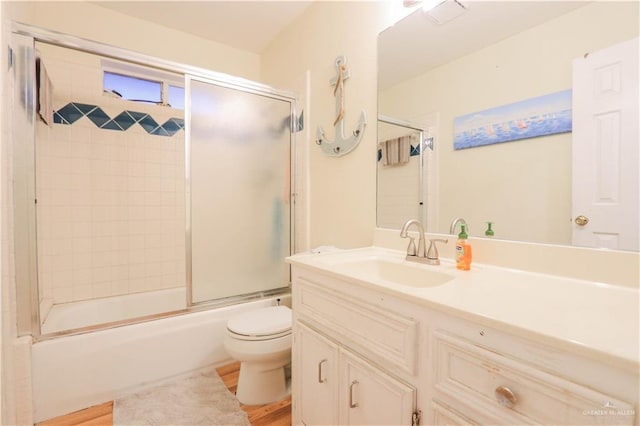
(370, 397)
(605, 148)
(239, 148)
(318, 377)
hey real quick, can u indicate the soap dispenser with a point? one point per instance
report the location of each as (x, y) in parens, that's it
(463, 250)
(489, 231)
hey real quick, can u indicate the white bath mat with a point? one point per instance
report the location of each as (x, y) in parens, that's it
(198, 399)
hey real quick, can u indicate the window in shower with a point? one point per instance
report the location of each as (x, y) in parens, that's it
(175, 96)
(133, 88)
(139, 84)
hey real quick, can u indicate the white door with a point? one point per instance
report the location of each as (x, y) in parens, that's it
(605, 148)
(370, 397)
(317, 378)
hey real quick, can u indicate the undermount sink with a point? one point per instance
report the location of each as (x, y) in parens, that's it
(410, 275)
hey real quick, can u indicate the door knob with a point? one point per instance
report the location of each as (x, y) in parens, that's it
(581, 220)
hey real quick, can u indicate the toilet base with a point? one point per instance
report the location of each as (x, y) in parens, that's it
(260, 384)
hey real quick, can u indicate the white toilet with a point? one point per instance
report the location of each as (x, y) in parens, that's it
(261, 341)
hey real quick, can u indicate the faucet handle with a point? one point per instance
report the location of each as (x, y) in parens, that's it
(432, 252)
(411, 249)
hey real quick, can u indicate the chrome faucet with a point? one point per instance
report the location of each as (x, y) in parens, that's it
(454, 222)
(419, 254)
(432, 253)
(411, 250)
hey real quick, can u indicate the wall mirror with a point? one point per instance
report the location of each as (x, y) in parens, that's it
(498, 55)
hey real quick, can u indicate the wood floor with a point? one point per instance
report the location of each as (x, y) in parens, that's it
(275, 414)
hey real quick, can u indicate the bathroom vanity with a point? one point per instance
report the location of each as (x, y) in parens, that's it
(380, 340)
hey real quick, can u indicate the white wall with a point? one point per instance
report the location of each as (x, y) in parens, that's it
(342, 190)
(534, 173)
(83, 19)
(5, 319)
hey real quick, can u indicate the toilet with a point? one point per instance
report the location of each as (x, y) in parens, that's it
(261, 341)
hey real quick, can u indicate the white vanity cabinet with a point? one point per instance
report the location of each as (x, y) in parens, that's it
(477, 385)
(340, 349)
(339, 387)
(365, 354)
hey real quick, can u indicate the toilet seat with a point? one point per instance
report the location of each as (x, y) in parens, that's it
(258, 338)
(261, 324)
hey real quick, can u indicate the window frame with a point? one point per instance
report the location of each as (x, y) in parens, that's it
(141, 72)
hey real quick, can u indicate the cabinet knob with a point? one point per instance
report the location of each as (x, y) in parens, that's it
(505, 396)
(352, 404)
(320, 379)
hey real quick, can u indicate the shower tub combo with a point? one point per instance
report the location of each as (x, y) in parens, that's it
(156, 214)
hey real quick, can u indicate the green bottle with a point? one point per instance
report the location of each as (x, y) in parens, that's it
(489, 231)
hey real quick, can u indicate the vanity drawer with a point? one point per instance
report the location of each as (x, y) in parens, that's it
(379, 334)
(510, 391)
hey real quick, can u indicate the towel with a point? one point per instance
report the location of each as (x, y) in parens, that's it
(396, 151)
(45, 93)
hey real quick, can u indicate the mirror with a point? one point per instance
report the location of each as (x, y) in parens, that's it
(495, 55)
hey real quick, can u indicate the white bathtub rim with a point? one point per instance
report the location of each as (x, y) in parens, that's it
(282, 293)
(113, 309)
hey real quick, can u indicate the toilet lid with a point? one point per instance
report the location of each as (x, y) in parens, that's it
(262, 322)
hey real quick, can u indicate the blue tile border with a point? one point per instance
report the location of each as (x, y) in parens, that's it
(73, 111)
(413, 150)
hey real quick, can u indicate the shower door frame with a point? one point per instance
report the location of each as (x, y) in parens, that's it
(28, 301)
(224, 301)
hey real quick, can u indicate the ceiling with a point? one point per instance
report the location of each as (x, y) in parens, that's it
(245, 25)
(409, 48)
(417, 44)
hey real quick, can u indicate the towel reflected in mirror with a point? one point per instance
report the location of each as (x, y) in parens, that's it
(396, 151)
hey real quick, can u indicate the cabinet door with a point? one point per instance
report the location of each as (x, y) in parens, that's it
(317, 378)
(368, 396)
(444, 416)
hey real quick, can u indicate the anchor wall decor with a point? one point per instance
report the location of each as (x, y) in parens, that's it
(341, 145)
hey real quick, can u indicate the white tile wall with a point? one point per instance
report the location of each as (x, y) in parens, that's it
(110, 212)
(111, 204)
(398, 186)
(398, 193)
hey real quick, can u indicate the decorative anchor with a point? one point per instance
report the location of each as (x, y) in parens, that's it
(341, 146)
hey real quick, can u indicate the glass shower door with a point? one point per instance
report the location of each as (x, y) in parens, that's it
(238, 192)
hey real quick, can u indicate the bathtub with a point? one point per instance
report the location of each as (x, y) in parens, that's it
(69, 316)
(74, 372)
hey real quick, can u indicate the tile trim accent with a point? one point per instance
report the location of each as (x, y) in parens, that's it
(413, 151)
(73, 111)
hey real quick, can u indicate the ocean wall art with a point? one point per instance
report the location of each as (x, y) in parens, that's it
(530, 118)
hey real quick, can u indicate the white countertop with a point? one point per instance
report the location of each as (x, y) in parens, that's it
(602, 319)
